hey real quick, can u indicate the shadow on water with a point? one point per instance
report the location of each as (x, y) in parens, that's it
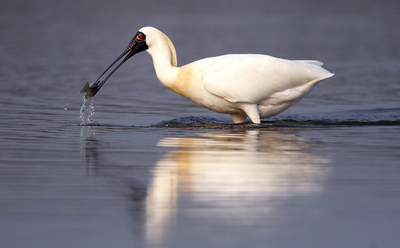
(226, 177)
(205, 123)
(363, 117)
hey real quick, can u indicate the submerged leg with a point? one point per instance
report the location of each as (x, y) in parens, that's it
(237, 118)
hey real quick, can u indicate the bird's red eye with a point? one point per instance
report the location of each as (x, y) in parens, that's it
(140, 37)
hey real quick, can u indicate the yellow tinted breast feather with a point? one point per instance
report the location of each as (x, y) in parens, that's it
(183, 81)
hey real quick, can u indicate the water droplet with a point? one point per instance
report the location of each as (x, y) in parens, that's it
(69, 100)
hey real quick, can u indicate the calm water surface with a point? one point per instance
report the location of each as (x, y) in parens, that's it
(156, 170)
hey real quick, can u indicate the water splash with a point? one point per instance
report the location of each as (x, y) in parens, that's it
(67, 103)
(87, 110)
(363, 117)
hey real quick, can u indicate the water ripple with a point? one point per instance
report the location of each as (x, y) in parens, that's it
(365, 117)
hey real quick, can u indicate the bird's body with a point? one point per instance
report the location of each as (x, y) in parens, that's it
(242, 85)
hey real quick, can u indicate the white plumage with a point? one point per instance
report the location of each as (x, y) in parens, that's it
(257, 86)
(242, 85)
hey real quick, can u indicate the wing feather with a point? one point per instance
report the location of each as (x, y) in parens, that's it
(252, 78)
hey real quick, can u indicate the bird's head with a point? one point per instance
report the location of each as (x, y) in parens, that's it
(138, 44)
(147, 38)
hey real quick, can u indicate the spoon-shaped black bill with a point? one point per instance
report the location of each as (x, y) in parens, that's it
(90, 91)
(135, 46)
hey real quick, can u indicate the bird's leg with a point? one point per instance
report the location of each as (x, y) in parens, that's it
(238, 118)
(252, 112)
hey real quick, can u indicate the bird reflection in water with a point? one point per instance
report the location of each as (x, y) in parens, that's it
(120, 180)
(233, 177)
(89, 148)
(227, 177)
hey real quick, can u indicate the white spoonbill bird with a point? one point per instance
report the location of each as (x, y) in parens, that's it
(242, 85)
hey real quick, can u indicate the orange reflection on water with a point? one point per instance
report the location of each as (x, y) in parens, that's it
(235, 176)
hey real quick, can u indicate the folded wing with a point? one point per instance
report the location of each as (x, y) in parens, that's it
(253, 78)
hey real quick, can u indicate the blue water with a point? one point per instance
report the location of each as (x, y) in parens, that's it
(155, 170)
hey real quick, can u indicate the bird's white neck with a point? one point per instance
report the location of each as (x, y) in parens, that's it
(165, 71)
(161, 49)
(164, 59)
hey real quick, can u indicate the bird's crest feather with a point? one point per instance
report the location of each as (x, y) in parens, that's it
(172, 49)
